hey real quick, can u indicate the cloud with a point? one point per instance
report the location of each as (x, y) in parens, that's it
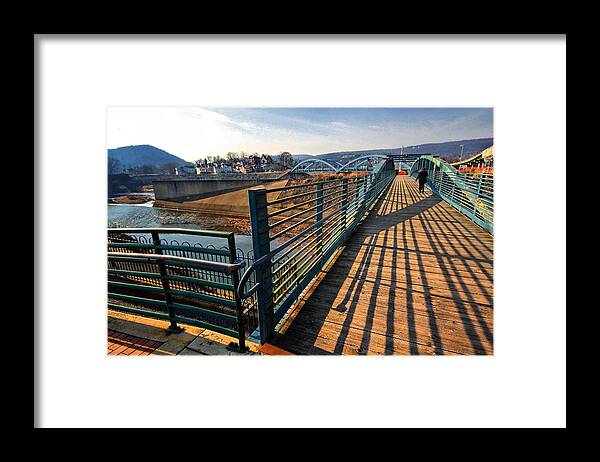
(249, 126)
(193, 132)
(190, 133)
(222, 119)
(340, 124)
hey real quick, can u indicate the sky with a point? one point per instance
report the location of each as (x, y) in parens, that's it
(193, 132)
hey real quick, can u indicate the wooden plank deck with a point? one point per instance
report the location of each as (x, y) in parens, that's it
(416, 277)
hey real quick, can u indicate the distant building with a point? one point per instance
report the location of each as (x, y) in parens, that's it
(204, 169)
(266, 159)
(240, 167)
(224, 168)
(186, 170)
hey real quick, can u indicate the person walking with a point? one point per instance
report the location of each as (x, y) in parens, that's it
(422, 180)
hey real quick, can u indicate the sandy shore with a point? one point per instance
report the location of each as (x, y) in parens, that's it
(131, 199)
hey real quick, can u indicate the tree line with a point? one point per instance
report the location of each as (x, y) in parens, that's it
(115, 167)
(284, 158)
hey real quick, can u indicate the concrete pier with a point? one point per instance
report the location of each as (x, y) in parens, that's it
(180, 188)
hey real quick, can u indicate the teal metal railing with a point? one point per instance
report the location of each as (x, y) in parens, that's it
(297, 229)
(153, 276)
(472, 194)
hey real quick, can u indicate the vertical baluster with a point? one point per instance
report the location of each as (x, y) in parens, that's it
(235, 280)
(173, 327)
(344, 205)
(319, 217)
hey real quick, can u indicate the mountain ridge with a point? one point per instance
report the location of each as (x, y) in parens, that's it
(137, 155)
(145, 154)
(445, 149)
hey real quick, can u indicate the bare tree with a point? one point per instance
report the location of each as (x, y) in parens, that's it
(143, 169)
(169, 167)
(232, 156)
(114, 166)
(285, 158)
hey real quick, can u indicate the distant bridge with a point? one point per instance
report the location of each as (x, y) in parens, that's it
(360, 164)
(406, 158)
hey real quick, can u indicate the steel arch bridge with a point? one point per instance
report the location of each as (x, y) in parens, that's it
(368, 161)
(314, 165)
(360, 164)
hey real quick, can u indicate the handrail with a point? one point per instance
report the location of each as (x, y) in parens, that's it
(319, 219)
(226, 268)
(470, 194)
(195, 232)
(244, 279)
(187, 284)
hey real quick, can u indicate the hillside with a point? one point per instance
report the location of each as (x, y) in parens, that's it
(144, 154)
(446, 150)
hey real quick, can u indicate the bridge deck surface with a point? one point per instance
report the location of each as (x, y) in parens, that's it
(414, 278)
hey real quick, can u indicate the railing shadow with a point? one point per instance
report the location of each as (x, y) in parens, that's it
(460, 283)
(366, 303)
(302, 335)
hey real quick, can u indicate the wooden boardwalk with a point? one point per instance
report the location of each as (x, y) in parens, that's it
(414, 278)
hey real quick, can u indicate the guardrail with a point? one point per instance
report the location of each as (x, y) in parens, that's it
(307, 223)
(471, 193)
(152, 277)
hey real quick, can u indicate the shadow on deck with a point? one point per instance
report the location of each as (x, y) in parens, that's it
(414, 278)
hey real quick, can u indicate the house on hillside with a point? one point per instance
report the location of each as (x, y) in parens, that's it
(239, 167)
(223, 167)
(266, 159)
(187, 170)
(204, 169)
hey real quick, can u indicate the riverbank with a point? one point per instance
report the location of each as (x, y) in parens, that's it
(230, 204)
(226, 212)
(131, 199)
(147, 216)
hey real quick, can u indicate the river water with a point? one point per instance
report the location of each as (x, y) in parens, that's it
(147, 216)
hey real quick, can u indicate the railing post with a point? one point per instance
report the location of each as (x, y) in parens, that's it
(319, 216)
(344, 205)
(370, 184)
(361, 204)
(453, 186)
(257, 202)
(431, 174)
(479, 185)
(173, 327)
(235, 280)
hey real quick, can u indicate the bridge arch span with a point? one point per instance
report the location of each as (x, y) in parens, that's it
(314, 161)
(360, 160)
